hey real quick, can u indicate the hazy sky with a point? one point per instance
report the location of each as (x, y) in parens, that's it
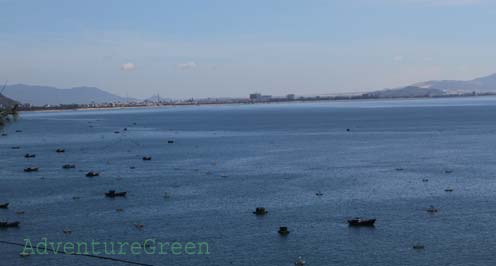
(198, 48)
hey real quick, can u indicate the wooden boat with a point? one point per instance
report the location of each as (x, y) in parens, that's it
(4, 205)
(28, 155)
(299, 262)
(418, 247)
(319, 194)
(170, 141)
(31, 169)
(147, 158)
(260, 211)
(361, 222)
(59, 150)
(431, 209)
(69, 166)
(7, 224)
(283, 230)
(92, 174)
(449, 190)
(113, 194)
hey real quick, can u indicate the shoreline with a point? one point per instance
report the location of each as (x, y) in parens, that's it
(103, 108)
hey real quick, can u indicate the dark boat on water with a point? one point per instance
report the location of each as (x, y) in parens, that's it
(59, 150)
(361, 222)
(170, 141)
(69, 166)
(7, 224)
(113, 194)
(4, 206)
(283, 230)
(28, 155)
(15, 148)
(147, 158)
(260, 211)
(92, 174)
(31, 169)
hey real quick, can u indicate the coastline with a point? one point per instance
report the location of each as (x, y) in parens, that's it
(173, 105)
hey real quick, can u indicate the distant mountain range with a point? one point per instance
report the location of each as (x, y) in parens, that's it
(441, 87)
(43, 95)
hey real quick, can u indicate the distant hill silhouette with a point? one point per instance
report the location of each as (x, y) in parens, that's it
(441, 87)
(43, 95)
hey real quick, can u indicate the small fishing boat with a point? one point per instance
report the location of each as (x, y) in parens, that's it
(59, 150)
(28, 155)
(425, 180)
(319, 194)
(260, 211)
(116, 132)
(299, 262)
(147, 158)
(431, 209)
(448, 190)
(4, 134)
(448, 171)
(15, 148)
(418, 247)
(31, 169)
(7, 224)
(67, 231)
(283, 230)
(170, 141)
(139, 226)
(69, 166)
(113, 194)
(92, 174)
(4, 205)
(400, 169)
(361, 222)
(20, 212)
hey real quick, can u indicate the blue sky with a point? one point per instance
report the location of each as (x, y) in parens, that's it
(194, 48)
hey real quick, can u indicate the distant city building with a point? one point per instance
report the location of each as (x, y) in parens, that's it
(260, 97)
(255, 96)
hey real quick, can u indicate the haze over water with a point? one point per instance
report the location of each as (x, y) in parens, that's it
(227, 160)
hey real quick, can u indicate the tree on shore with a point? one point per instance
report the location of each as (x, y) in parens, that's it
(8, 108)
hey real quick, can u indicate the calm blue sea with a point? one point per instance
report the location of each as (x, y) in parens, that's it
(227, 160)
